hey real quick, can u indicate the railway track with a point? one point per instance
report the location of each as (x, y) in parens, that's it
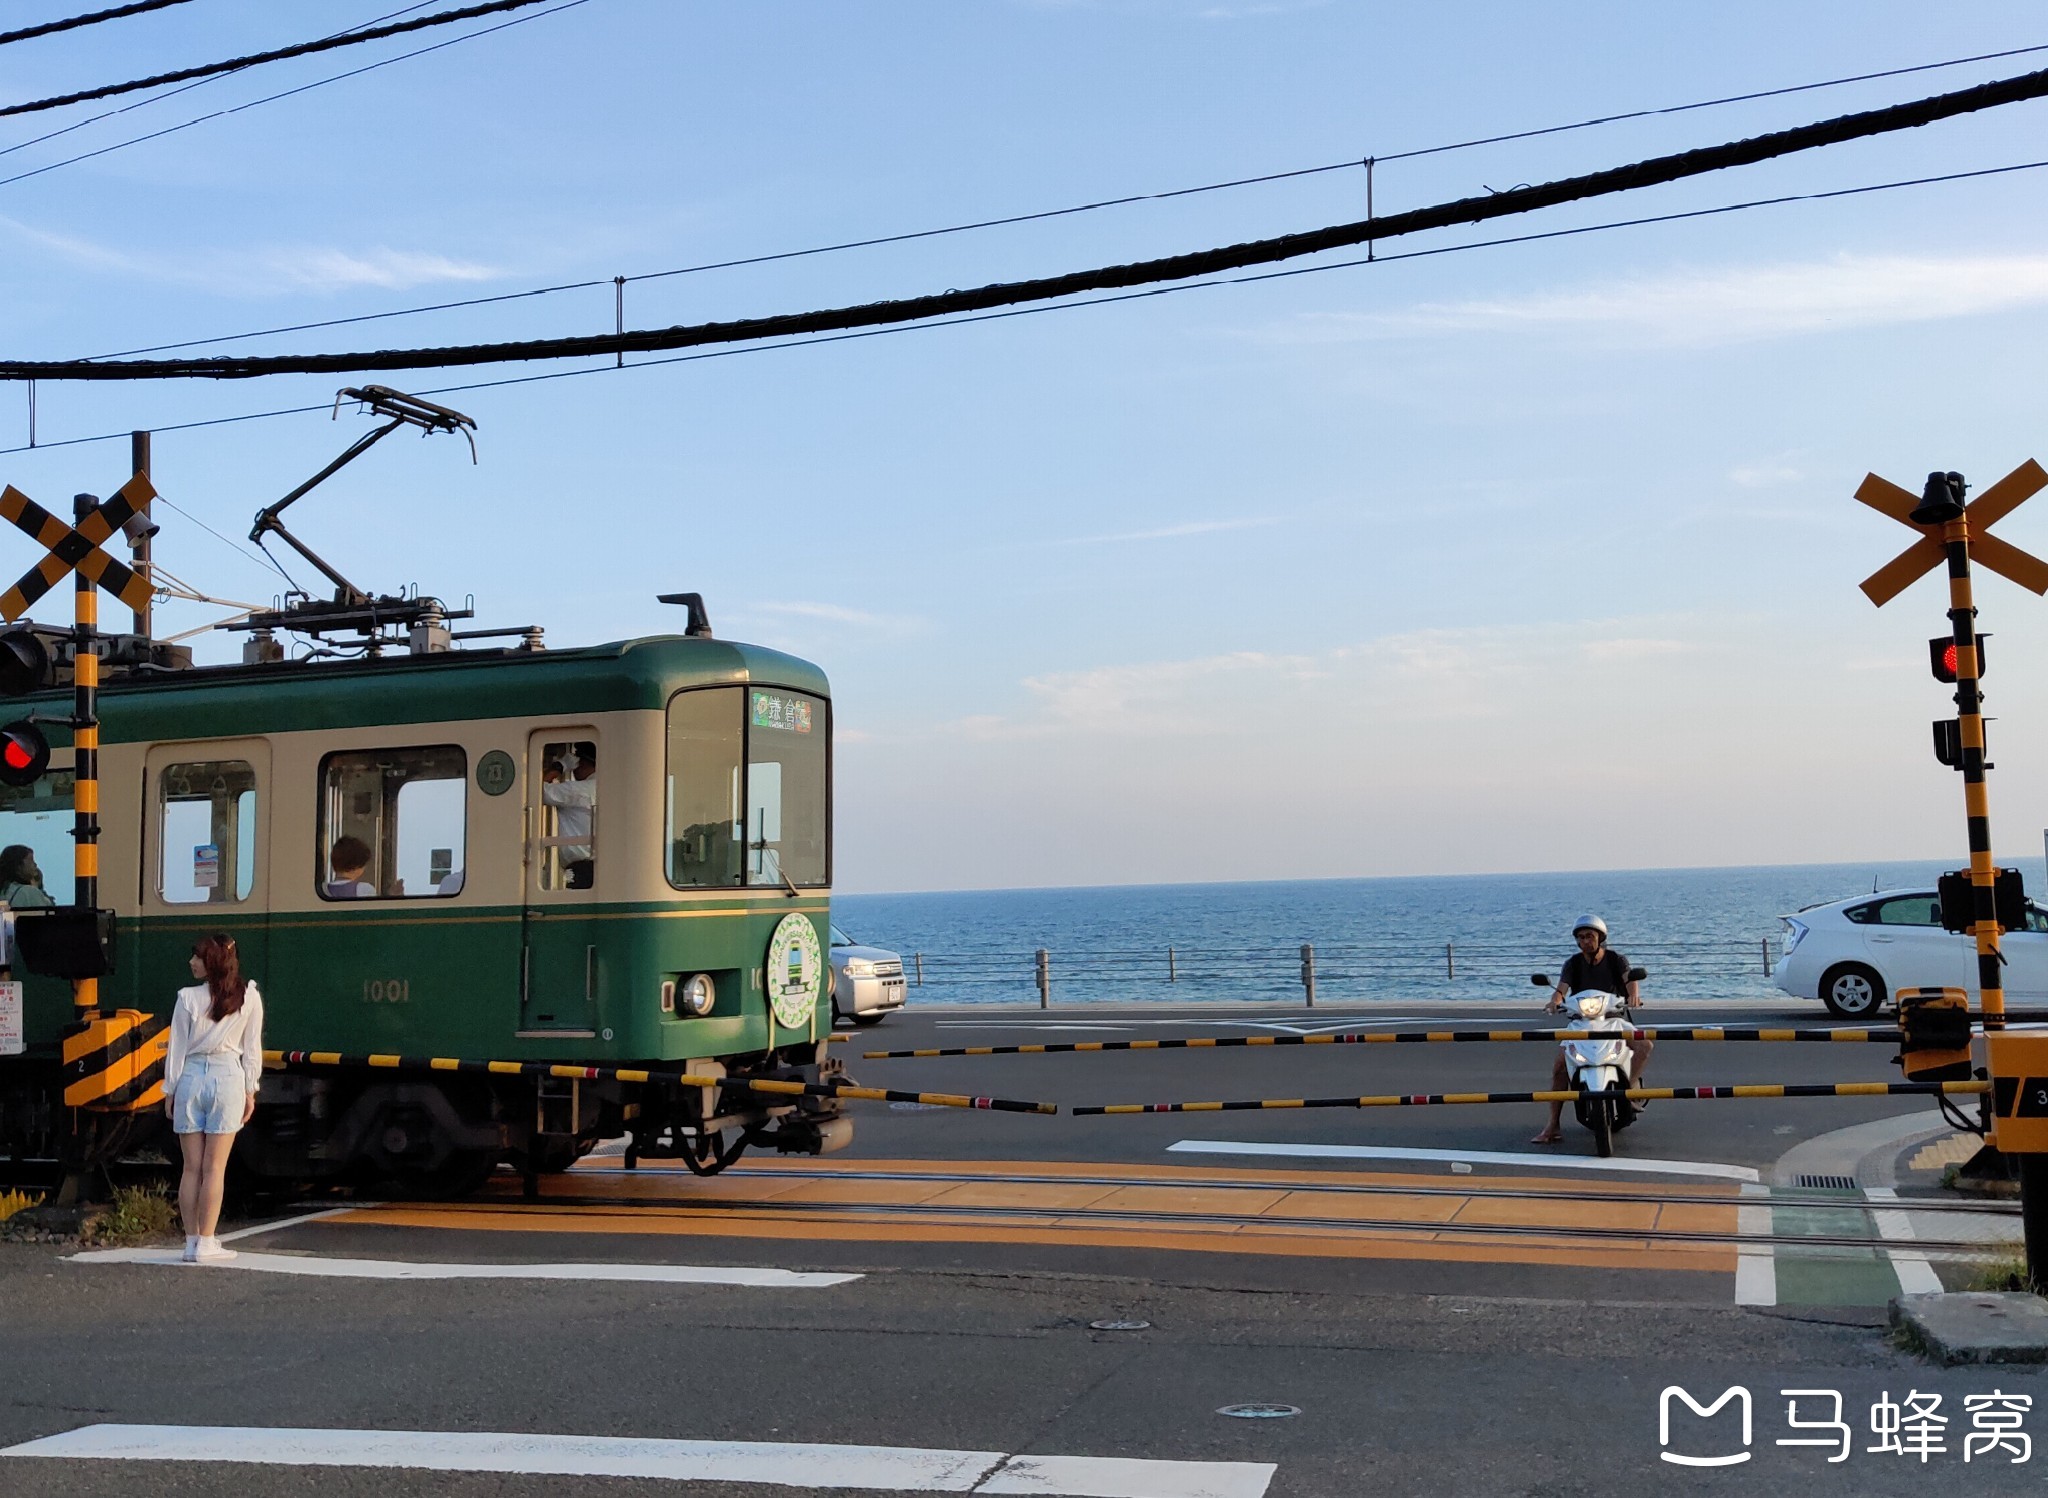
(707, 1200)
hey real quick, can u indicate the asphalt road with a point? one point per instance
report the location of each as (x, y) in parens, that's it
(1413, 1374)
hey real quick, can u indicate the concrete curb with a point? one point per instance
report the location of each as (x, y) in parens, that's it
(1975, 1326)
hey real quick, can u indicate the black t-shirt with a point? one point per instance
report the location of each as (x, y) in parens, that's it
(1607, 975)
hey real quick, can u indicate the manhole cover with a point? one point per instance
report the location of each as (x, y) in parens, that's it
(1259, 1411)
(1827, 1183)
(1119, 1326)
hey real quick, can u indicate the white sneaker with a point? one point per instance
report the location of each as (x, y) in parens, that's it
(210, 1252)
(191, 1250)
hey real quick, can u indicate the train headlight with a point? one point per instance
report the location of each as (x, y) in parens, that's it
(697, 995)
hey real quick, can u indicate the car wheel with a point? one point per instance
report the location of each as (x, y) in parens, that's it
(1852, 991)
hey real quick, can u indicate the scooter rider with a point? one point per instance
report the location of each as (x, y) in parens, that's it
(1599, 967)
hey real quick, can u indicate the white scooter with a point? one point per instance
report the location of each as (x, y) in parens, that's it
(1600, 1066)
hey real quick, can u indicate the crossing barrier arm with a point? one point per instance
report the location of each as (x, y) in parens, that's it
(559, 1071)
(1634, 1094)
(1392, 1037)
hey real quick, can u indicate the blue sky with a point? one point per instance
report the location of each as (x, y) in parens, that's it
(1531, 557)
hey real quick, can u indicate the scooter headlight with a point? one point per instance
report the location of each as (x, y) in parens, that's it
(1593, 1005)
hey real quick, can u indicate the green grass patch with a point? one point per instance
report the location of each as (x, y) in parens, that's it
(2005, 1273)
(136, 1215)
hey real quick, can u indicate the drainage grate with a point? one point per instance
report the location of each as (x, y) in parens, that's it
(1827, 1183)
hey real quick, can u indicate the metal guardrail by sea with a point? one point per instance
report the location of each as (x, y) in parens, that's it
(1340, 971)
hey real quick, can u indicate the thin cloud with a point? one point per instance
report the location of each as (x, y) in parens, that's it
(268, 270)
(831, 613)
(1168, 532)
(1734, 305)
(1764, 475)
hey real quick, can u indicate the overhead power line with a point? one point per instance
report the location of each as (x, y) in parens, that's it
(327, 406)
(94, 119)
(303, 88)
(1042, 214)
(301, 49)
(1647, 173)
(50, 27)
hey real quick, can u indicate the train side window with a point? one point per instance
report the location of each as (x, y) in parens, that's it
(788, 787)
(568, 798)
(206, 832)
(393, 823)
(704, 828)
(36, 820)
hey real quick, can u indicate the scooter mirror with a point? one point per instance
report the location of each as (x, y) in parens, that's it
(1636, 975)
(1541, 980)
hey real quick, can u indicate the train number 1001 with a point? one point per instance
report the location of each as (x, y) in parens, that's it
(387, 990)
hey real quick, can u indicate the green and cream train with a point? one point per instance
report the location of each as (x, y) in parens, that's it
(614, 856)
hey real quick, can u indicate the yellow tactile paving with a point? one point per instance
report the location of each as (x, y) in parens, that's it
(1276, 1239)
(1190, 1209)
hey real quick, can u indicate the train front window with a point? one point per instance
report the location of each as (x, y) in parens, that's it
(206, 844)
(704, 830)
(787, 787)
(393, 823)
(35, 841)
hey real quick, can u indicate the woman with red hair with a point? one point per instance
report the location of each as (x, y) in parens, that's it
(211, 1074)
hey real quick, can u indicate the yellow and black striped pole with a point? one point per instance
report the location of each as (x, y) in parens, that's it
(1944, 492)
(85, 855)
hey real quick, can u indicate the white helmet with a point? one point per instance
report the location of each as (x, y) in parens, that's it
(1590, 923)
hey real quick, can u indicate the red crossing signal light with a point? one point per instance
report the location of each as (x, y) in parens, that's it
(24, 754)
(1941, 657)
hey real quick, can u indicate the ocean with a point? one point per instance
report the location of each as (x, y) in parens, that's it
(1701, 933)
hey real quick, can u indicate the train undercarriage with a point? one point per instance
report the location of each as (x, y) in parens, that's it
(423, 1134)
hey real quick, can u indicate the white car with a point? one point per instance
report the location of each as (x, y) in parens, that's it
(1854, 954)
(867, 982)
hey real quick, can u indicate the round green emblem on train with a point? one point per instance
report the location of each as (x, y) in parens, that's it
(795, 971)
(495, 773)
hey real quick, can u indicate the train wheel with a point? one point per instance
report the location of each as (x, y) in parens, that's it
(461, 1173)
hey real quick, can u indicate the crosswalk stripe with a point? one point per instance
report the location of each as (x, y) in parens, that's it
(401, 1269)
(1622, 1165)
(787, 1464)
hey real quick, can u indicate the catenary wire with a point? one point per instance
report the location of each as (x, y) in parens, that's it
(1130, 296)
(72, 23)
(94, 119)
(1043, 214)
(1654, 171)
(137, 140)
(279, 54)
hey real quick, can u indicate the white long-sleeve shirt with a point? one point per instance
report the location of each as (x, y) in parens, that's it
(195, 1033)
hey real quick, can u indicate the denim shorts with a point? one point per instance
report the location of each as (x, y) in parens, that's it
(211, 1095)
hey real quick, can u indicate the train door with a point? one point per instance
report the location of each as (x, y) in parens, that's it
(564, 877)
(205, 842)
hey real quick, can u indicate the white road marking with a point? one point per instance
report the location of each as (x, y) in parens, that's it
(291, 1222)
(398, 1269)
(1476, 1157)
(1756, 1268)
(873, 1468)
(1916, 1275)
